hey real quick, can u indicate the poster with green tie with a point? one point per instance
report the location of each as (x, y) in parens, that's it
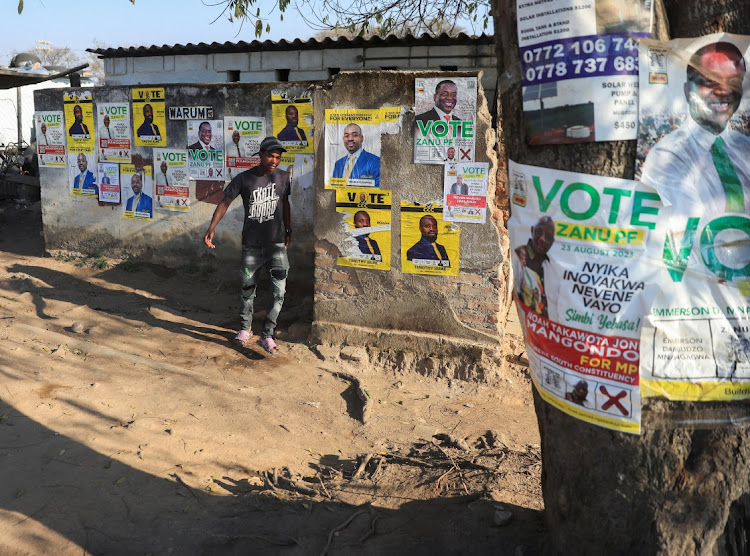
(114, 136)
(352, 149)
(429, 244)
(366, 225)
(445, 116)
(694, 149)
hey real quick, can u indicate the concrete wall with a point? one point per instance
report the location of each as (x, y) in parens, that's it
(434, 324)
(82, 224)
(303, 65)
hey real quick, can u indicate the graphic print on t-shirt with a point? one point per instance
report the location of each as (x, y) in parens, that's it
(264, 204)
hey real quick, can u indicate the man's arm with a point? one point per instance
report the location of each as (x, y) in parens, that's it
(221, 210)
(287, 213)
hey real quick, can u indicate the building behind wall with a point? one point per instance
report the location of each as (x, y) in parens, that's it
(309, 60)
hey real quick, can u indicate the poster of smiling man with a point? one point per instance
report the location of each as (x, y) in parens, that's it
(446, 113)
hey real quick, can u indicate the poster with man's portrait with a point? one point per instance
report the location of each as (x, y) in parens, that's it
(79, 121)
(82, 179)
(114, 137)
(137, 192)
(149, 117)
(50, 138)
(429, 244)
(242, 138)
(206, 149)
(446, 113)
(352, 148)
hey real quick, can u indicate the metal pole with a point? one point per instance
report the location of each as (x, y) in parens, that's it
(19, 113)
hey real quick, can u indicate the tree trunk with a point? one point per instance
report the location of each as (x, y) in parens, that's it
(683, 486)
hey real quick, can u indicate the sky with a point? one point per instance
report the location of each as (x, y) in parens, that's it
(119, 23)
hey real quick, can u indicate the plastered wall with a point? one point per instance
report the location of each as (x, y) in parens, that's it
(83, 224)
(433, 318)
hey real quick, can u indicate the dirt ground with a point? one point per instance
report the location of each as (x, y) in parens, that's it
(130, 424)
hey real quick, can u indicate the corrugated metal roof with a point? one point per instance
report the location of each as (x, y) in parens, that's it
(297, 44)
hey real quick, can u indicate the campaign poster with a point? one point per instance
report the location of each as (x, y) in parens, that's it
(465, 192)
(149, 117)
(172, 180)
(114, 137)
(366, 218)
(579, 61)
(586, 257)
(109, 182)
(429, 244)
(78, 107)
(137, 192)
(352, 148)
(693, 146)
(50, 139)
(446, 114)
(292, 114)
(206, 149)
(242, 138)
(82, 179)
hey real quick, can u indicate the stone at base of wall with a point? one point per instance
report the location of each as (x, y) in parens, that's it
(428, 354)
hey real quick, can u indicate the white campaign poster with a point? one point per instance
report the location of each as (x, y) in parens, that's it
(206, 149)
(114, 135)
(242, 138)
(580, 68)
(172, 180)
(694, 149)
(50, 138)
(445, 119)
(109, 182)
(465, 192)
(586, 255)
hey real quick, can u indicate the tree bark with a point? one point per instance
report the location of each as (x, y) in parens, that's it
(683, 485)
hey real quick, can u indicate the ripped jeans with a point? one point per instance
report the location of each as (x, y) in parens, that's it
(274, 257)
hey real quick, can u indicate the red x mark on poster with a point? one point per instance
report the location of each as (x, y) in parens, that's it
(614, 400)
(465, 153)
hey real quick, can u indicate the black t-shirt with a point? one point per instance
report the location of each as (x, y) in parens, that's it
(262, 198)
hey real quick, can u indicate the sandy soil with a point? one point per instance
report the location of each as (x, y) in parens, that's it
(129, 424)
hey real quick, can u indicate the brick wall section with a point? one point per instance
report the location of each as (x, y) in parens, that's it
(472, 297)
(331, 281)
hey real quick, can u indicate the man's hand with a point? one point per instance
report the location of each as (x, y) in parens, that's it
(209, 239)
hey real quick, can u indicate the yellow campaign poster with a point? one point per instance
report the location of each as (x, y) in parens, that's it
(293, 120)
(79, 121)
(366, 215)
(149, 117)
(429, 244)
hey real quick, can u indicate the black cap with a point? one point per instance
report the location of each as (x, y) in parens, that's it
(271, 144)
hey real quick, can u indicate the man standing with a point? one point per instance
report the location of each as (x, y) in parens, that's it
(459, 188)
(530, 263)
(358, 164)
(292, 131)
(367, 246)
(428, 248)
(85, 181)
(43, 138)
(148, 127)
(139, 202)
(204, 138)
(266, 235)
(78, 128)
(703, 166)
(105, 179)
(445, 98)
